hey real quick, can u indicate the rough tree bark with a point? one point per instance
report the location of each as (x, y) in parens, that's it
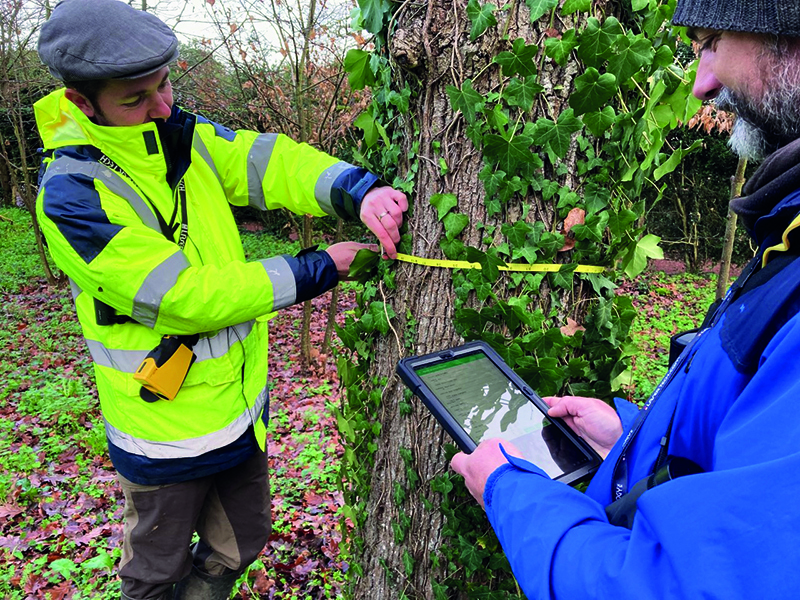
(431, 43)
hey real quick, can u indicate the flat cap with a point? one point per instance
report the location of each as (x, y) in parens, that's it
(89, 40)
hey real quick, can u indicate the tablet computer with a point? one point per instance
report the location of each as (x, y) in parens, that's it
(476, 396)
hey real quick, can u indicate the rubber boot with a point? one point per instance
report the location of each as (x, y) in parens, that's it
(202, 586)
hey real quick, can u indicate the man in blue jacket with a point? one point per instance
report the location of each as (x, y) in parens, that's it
(729, 404)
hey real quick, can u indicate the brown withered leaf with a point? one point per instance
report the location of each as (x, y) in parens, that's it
(577, 216)
(571, 328)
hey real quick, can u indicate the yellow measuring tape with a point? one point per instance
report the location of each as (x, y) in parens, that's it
(521, 267)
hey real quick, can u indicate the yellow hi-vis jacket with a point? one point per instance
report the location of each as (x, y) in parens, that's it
(102, 229)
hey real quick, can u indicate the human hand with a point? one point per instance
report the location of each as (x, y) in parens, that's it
(343, 254)
(382, 211)
(592, 419)
(484, 460)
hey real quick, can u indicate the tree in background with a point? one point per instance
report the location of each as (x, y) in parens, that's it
(528, 134)
(285, 75)
(23, 80)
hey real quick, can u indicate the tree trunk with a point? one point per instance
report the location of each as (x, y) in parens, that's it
(737, 183)
(433, 41)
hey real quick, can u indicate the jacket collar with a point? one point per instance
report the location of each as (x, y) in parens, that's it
(158, 149)
(770, 203)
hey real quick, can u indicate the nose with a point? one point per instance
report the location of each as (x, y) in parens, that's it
(706, 85)
(159, 108)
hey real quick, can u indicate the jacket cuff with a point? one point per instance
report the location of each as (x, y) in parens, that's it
(627, 411)
(314, 273)
(348, 191)
(514, 464)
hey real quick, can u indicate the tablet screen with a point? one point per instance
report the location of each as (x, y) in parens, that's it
(487, 405)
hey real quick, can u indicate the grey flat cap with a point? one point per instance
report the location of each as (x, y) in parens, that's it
(88, 40)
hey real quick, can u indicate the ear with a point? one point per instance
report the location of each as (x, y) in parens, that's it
(81, 101)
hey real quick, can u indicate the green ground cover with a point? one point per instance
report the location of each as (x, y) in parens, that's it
(60, 507)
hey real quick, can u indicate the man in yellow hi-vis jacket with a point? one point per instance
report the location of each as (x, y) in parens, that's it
(134, 201)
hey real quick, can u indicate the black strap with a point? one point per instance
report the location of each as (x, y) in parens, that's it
(168, 230)
(619, 479)
(105, 314)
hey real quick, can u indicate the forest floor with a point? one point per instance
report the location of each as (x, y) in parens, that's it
(60, 504)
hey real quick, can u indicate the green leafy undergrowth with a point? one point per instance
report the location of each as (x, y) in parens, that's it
(665, 305)
(60, 505)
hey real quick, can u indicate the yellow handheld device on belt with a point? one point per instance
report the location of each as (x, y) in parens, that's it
(164, 369)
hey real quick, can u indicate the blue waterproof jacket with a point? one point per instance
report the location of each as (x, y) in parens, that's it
(730, 532)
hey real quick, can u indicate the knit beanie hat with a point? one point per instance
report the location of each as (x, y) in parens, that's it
(779, 17)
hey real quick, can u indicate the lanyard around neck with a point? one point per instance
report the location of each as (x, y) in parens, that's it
(167, 229)
(619, 479)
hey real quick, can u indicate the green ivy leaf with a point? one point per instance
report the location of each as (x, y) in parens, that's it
(497, 118)
(557, 136)
(372, 129)
(522, 93)
(636, 259)
(573, 6)
(511, 154)
(599, 282)
(372, 12)
(453, 249)
(444, 203)
(539, 7)
(455, 223)
(598, 122)
(377, 319)
(442, 484)
(518, 61)
(487, 262)
(618, 223)
(559, 49)
(638, 5)
(597, 41)
(359, 73)
(482, 17)
(564, 277)
(593, 228)
(466, 99)
(595, 198)
(633, 53)
(592, 90)
(517, 233)
(408, 563)
(551, 242)
(364, 266)
(471, 555)
(674, 160)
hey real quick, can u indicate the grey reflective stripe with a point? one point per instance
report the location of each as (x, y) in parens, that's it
(76, 290)
(322, 189)
(158, 282)
(193, 446)
(127, 361)
(284, 285)
(218, 345)
(257, 162)
(200, 147)
(65, 165)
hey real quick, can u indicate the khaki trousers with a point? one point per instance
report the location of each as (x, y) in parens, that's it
(230, 511)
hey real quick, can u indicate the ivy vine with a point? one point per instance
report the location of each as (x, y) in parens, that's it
(630, 93)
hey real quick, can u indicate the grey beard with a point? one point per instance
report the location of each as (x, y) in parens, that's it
(763, 127)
